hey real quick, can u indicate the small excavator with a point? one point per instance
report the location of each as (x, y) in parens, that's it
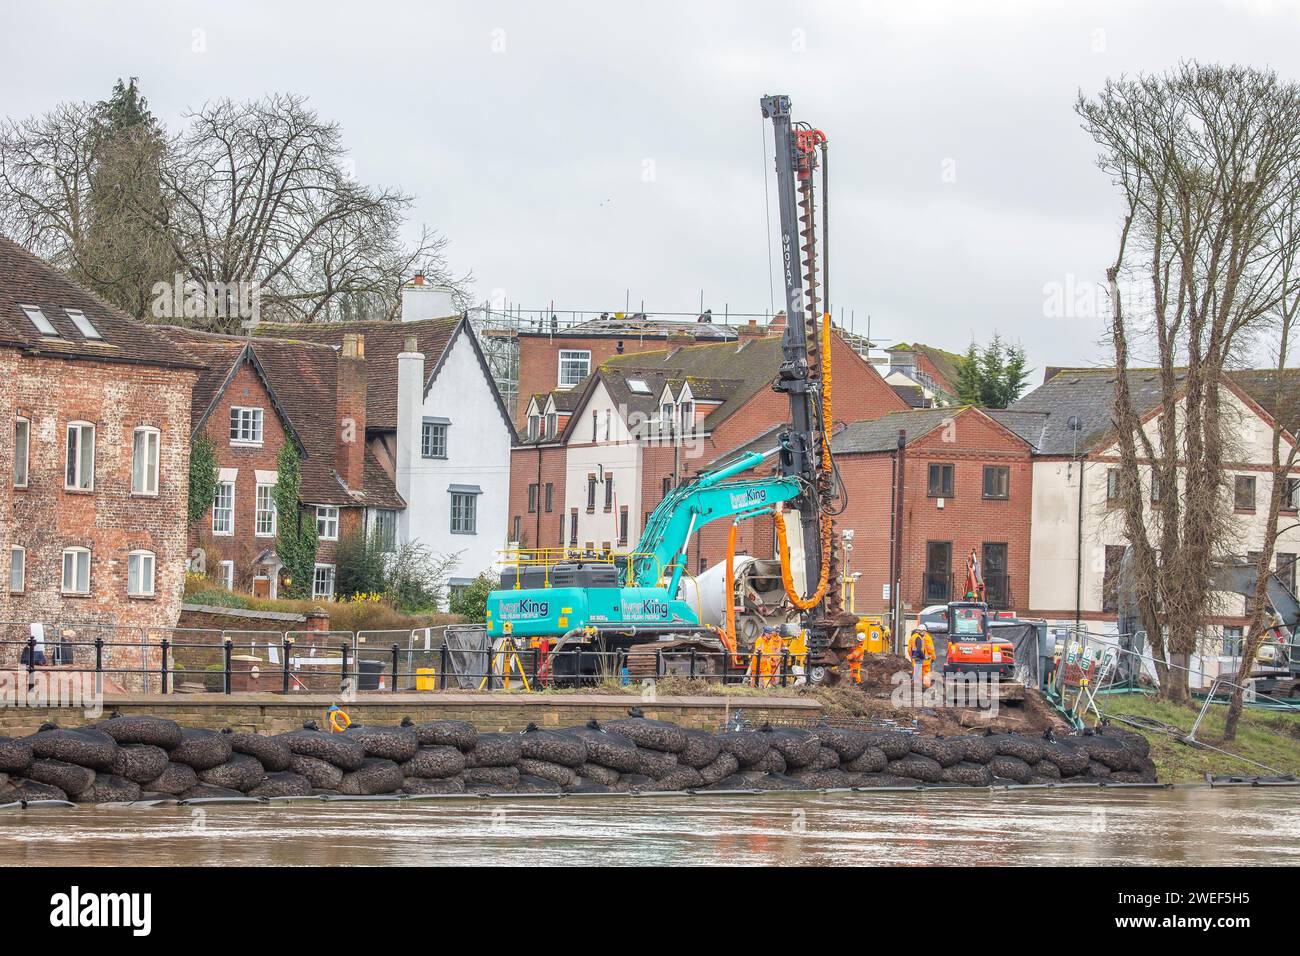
(972, 648)
(584, 609)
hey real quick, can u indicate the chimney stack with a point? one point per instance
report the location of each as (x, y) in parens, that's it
(350, 404)
(680, 339)
(410, 419)
(747, 332)
(778, 323)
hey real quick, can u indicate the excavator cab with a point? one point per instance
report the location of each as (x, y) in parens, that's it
(971, 645)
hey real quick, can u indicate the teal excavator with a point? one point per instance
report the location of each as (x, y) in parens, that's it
(584, 608)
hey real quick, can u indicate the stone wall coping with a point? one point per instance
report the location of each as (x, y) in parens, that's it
(450, 699)
(246, 612)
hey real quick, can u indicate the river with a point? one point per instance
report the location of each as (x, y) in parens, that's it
(1190, 826)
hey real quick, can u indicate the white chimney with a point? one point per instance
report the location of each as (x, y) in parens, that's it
(421, 300)
(410, 417)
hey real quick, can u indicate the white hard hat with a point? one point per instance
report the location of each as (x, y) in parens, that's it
(922, 627)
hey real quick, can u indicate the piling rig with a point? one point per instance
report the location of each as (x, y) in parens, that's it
(581, 607)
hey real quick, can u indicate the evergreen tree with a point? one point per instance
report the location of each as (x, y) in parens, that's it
(993, 376)
(296, 536)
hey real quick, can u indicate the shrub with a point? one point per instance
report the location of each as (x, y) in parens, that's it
(470, 602)
(360, 565)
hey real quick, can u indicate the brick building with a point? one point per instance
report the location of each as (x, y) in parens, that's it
(252, 397)
(925, 376)
(98, 458)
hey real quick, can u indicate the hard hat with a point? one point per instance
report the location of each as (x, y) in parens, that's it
(923, 628)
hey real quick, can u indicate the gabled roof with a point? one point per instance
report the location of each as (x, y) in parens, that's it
(882, 433)
(301, 380)
(28, 280)
(1277, 393)
(1087, 394)
(636, 326)
(946, 363)
(914, 395)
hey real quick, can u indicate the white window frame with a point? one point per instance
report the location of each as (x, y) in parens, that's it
(76, 554)
(325, 520)
(19, 552)
(260, 529)
(41, 321)
(83, 324)
(80, 428)
(139, 557)
(534, 427)
(572, 357)
(686, 411)
(228, 511)
(22, 466)
(150, 488)
(228, 575)
(241, 425)
(316, 592)
(552, 424)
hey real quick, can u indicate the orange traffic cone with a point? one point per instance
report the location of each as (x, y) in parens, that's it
(381, 682)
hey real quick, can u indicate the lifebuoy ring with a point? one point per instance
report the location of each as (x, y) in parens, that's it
(339, 719)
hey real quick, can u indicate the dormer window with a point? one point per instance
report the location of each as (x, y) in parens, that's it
(534, 426)
(688, 416)
(552, 424)
(83, 324)
(666, 416)
(38, 319)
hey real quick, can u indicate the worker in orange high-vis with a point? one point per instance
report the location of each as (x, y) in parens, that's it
(766, 660)
(854, 660)
(920, 651)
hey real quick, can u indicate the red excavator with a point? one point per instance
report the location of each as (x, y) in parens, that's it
(971, 646)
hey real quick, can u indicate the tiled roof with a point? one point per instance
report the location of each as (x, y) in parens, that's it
(1278, 393)
(914, 395)
(638, 326)
(882, 433)
(28, 280)
(1087, 395)
(947, 363)
(301, 378)
(383, 342)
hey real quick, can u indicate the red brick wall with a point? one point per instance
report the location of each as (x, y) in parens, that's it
(110, 521)
(924, 364)
(540, 529)
(539, 360)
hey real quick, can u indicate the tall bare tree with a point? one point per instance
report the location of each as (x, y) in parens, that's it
(1203, 156)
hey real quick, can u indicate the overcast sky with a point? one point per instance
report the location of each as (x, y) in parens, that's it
(584, 152)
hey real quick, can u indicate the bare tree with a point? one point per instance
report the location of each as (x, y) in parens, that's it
(1203, 156)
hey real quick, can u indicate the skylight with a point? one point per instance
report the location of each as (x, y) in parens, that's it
(638, 386)
(83, 324)
(40, 321)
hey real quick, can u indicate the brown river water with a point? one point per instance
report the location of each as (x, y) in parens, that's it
(1192, 826)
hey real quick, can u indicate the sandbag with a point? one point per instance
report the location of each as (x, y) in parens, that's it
(83, 746)
(607, 747)
(1045, 770)
(654, 763)
(321, 774)
(460, 734)
(68, 777)
(1110, 751)
(282, 783)
(494, 750)
(206, 791)
(651, 734)
(871, 780)
(20, 788)
(271, 752)
(336, 748)
(109, 788)
(139, 762)
(798, 747)
(1069, 759)
(15, 755)
(871, 760)
(633, 782)
(833, 779)
(503, 777)
(375, 775)
(385, 743)
(601, 774)
(175, 779)
(530, 784)
(557, 773)
(553, 746)
(939, 749)
(143, 729)
(201, 749)
(587, 785)
(680, 777)
(772, 781)
(241, 772)
(434, 762)
(968, 773)
(849, 744)
(772, 762)
(826, 759)
(925, 769)
(721, 768)
(1097, 771)
(1029, 749)
(747, 746)
(430, 785)
(1009, 767)
(1131, 739)
(894, 743)
(732, 782)
(702, 748)
(977, 749)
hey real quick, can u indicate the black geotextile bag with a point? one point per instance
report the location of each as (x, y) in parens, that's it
(68, 777)
(272, 752)
(336, 748)
(494, 750)
(282, 783)
(849, 744)
(83, 746)
(375, 775)
(607, 747)
(142, 729)
(15, 755)
(460, 734)
(201, 749)
(424, 786)
(747, 746)
(321, 774)
(139, 762)
(387, 743)
(175, 779)
(651, 734)
(241, 772)
(798, 747)
(554, 746)
(556, 773)
(109, 788)
(434, 762)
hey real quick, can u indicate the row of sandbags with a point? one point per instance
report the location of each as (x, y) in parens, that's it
(145, 757)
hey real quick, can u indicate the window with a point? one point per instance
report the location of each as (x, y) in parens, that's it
(609, 420)
(609, 491)
(997, 481)
(938, 571)
(563, 521)
(622, 525)
(940, 481)
(246, 426)
(1232, 639)
(223, 509)
(532, 500)
(264, 512)
(552, 425)
(1112, 485)
(688, 417)
(595, 425)
(327, 522)
(83, 324)
(144, 462)
(383, 525)
(80, 474)
(1155, 488)
(1291, 494)
(534, 427)
(139, 574)
(433, 438)
(666, 416)
(997, 583)
(464, 513)
(228, 575)
(1252, 559)
(574, 366)
(17, 569)
(1110, 578)
(76, 571)
(550, 497)
(518, 525)
(22, 442)
(1286, 569)
(573, 526)
(668, 485)
(39, 320)
(591, 493)
(322, 582)
(1243, 493)
(638, 386)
